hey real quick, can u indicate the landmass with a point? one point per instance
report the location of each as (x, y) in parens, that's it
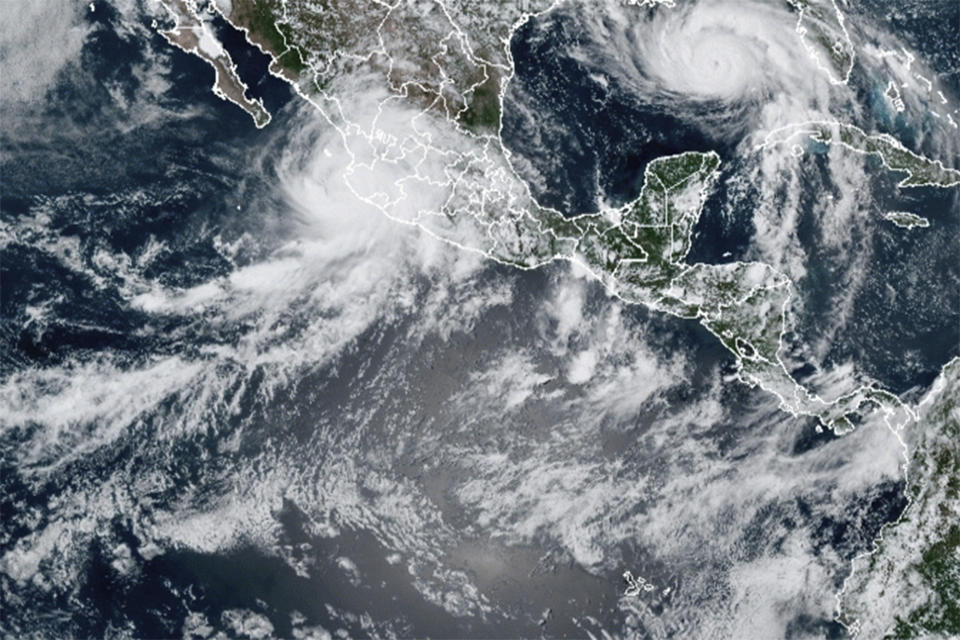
(450, 59)
(905, 219)
(893, 94)
(894, 156)
(822, 31)
(194, 34)
(909, 587)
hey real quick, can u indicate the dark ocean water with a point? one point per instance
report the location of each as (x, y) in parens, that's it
(103, 178)
(928, 27)
(896, 290)
(113, 182)
(593, 137)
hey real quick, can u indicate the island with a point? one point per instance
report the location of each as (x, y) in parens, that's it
(905, 219)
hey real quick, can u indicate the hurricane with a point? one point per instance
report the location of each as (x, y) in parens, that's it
(714, 51)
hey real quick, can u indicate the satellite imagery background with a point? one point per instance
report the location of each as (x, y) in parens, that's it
(480, 319)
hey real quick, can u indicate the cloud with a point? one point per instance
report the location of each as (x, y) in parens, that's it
(714, 52)
(37, 40)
